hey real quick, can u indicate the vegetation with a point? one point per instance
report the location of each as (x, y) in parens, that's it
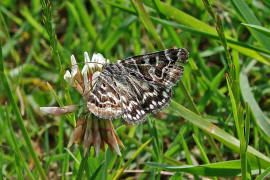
(217, 124)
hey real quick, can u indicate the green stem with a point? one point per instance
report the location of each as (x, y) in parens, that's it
(19, 118)
(82, 166)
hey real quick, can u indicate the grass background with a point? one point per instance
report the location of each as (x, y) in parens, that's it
(217, 124)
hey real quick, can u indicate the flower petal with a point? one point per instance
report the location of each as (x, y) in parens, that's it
(86, 84)
(78, 132)
(74, 68)
(111, 139)
(67, 77)
(96, 136)
(88, 136)
(99, 59)
(90, 66)
(56, 111)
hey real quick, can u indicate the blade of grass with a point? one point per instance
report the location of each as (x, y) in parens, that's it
(264, 175)
(261, 29)
(194, 25)
(72, 155)
(47, 20)
(183, 18)
(187, 152)
(11, 43)
(175, 145)
(94, 175)
(250, 18)
(153, 133)
(18, 154)
(14, 53)
(259, 117)
(6, 133)
(12, 16)
(116, 35)
(197, 30)
(218, 133)
(203, 153)
(239, 122)
(220, 31)
(234, 107)
(82, 166)
(85, 19)
(164, 157)
(27, 15)
(247, 123)
(87, 22)
(220, 169)
(245, 49)
(214, 84)
(34, 23)
(243, 149)
(19, 118)
(121, 170)
(98, 10)
(75, 15)
(65, 166)
(138, 6)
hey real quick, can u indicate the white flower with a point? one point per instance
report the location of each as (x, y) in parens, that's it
(74, 68)
(88, 65)
(93, 67)
(95, 64)
(98, 58)
(84, 80)
(67, 77)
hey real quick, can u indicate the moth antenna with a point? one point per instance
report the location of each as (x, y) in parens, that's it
(68, 67)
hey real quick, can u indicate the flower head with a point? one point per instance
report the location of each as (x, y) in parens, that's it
(89, 130)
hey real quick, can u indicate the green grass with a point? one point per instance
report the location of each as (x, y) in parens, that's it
(217, 124)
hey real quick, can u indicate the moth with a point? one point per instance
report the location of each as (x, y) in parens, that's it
(136, 86)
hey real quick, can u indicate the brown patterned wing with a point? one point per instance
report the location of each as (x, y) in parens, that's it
(104, 101)
(158, 68)
(133, 112)
(152, 98)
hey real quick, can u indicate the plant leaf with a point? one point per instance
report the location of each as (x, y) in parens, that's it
(261, 29)
(248, 96)
(219, 134)
(220, 169)
(250, 18)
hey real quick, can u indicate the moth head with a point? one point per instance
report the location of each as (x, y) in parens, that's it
(84, 80)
